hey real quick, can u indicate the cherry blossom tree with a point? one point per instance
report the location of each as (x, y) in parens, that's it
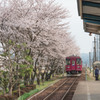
(33, 36)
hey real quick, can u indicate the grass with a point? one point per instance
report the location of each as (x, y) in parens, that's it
(89, 78)
(26, 95)
(1, 92)
(38, 88)
(89, 75)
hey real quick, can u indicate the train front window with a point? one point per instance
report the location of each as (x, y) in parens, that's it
(68, 61)
(78, 61)
(73, 62)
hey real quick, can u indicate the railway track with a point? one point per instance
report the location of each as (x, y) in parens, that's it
(61, 91)
(47, 91)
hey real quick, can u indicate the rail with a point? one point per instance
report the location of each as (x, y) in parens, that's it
(55, 90)
(69, 89)
(72, 81)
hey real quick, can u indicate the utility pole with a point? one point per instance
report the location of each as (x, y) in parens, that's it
(94, 56)
(86, 73)
(99, 47)
(94, 49)
(90, 60)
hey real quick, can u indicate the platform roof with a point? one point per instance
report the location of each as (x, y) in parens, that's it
(91, 27)
(91, 7)
(89, 10)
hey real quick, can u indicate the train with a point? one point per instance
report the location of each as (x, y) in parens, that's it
(73, 65)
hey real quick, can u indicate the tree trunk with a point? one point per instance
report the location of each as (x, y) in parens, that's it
(19, 90)
(42, 77)
(25, 80)
(32, 78)
(46, 77)
(38, 79)
(10, 90)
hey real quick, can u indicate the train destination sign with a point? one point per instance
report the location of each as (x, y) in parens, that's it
(89, 10)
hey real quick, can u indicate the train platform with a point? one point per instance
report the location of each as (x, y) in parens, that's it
(87, 90)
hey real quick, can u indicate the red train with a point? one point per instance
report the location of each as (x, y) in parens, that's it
(73, 65)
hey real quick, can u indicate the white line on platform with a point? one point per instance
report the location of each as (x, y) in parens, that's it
(88, 93)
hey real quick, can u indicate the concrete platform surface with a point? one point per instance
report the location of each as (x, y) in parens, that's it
(87, 90)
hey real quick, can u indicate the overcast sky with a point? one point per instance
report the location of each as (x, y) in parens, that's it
(83, 40)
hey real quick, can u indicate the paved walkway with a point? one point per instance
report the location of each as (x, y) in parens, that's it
(87, 90)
